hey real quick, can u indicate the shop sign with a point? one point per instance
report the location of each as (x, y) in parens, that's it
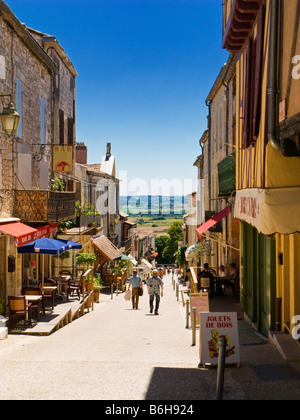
(25, 239)
(47, 230)
(62, 158)
(213, 327)
(248, 205)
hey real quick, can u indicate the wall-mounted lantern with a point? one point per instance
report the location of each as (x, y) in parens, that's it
(9, 117)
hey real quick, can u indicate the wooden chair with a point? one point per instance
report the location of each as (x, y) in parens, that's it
(232, 284)
(17, 307)
(49, 294)
(204, 284)
(74, 286)
(35, 291)
(65, 274)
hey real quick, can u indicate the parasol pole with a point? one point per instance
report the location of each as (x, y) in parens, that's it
(43, 270)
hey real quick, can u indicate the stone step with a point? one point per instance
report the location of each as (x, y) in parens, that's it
(3, 333)
(287, 346)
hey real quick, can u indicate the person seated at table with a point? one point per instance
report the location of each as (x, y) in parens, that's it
(227, 281)
(222, 271)
(206, 273)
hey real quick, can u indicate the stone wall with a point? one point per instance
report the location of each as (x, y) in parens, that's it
(28, 79)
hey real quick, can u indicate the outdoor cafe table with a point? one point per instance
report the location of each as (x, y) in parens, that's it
(60, 281)
(49, 289)
(220, 278)
(32, 298)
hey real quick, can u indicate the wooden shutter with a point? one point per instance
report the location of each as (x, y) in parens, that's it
(257, 94)
(247, 94)
(61, 128)
(70, 131)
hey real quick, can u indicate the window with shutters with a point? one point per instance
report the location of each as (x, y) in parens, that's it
(43, 121)
(70, 131)
(253, 83)
(20, 108)
(61, 128)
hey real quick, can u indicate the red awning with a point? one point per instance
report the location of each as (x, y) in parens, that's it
(23, 234)
(46, 230)
(213, 221)
(154, 255)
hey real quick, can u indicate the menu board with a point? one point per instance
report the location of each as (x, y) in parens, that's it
(200, 302)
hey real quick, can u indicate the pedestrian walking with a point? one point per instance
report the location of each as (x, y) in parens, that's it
(136, 283)
(155, 291)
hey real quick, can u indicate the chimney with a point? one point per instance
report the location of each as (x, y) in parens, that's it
(108, 151)
(81, 153)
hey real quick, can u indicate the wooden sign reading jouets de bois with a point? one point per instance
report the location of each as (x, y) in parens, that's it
(213, 327)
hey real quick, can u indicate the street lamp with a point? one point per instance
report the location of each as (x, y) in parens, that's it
(10, 118)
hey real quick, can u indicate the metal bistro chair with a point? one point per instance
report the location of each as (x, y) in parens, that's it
(17, 307)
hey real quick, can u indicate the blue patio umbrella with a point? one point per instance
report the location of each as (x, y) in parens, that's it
(44, 246)
(71, 244)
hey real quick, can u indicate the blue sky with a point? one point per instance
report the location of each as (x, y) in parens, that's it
(145, 68)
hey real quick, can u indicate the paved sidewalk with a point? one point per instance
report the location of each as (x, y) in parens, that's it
(117, 353)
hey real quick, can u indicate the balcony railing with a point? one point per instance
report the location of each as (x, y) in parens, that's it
(126, 244)
(35, 206)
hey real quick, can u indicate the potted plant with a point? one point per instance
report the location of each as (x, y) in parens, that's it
(97, 286)
(85, 259)
(57, 184)
(2, 307)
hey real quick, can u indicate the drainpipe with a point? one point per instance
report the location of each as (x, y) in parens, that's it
(272, 76)
(227, 116)
(272, 107)
(208, 104)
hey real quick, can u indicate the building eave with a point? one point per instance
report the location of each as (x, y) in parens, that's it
(24, 34)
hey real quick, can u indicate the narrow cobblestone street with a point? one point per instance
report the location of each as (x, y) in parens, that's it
(110, 353)
(116, 353)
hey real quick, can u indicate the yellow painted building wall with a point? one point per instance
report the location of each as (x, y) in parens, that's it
(288, 284)
(288, 274)
(289, 86)
(281, 172)
(250, 163)
(262, 166)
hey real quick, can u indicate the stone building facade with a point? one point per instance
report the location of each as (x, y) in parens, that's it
(27, 75)
(216, 169)
(39, 76)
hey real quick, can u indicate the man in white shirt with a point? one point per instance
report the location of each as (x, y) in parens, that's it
(155, 290)
(136, 282)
